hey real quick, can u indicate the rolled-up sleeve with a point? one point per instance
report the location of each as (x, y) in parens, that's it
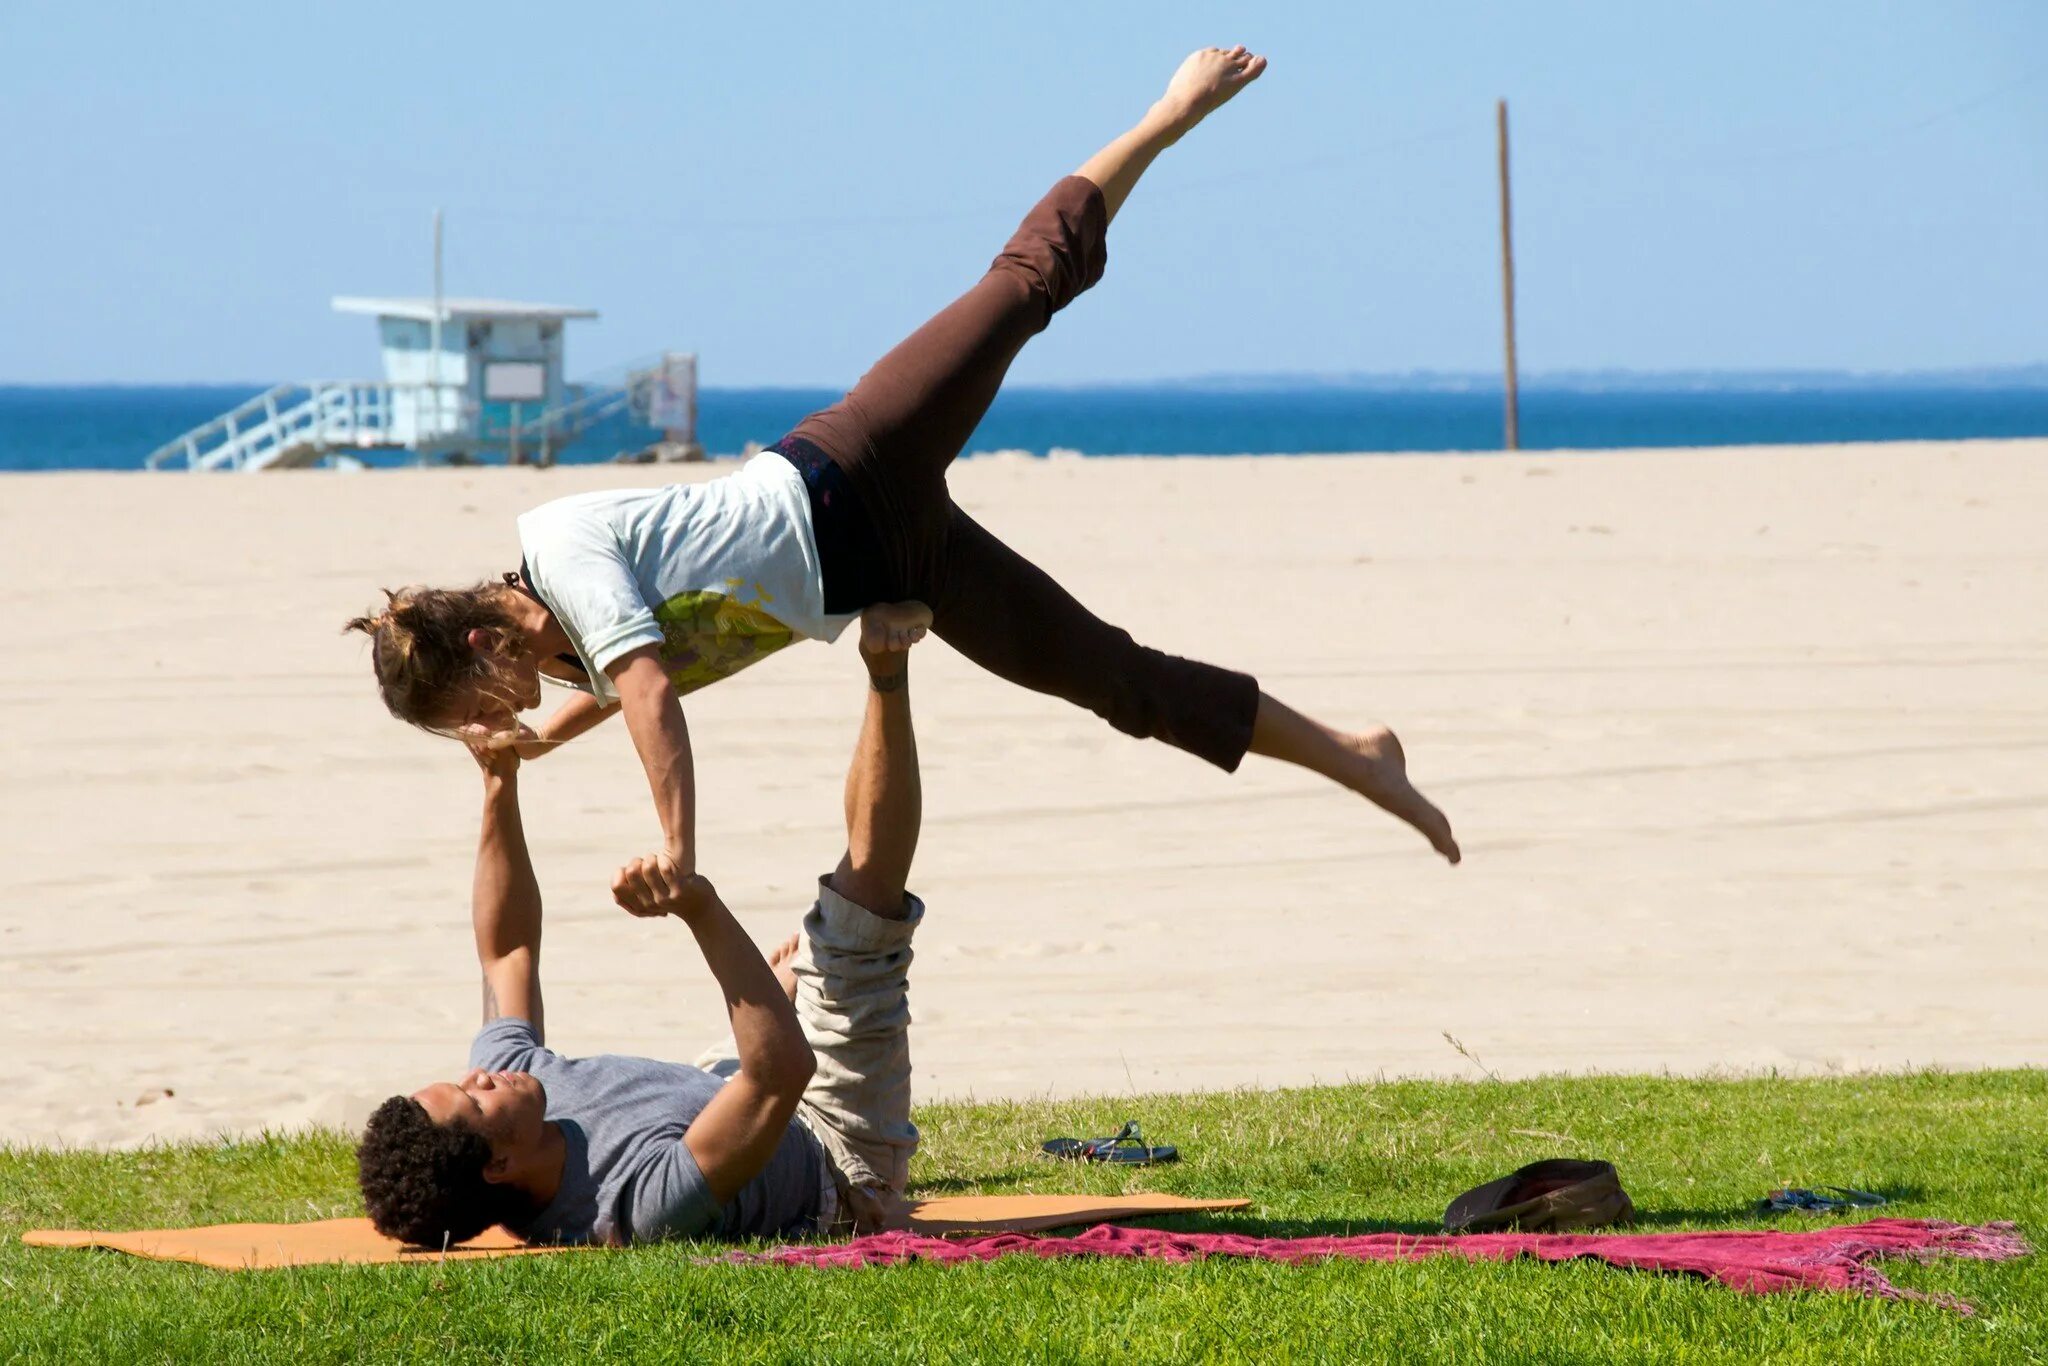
(667, 1198)
(506, 1044)
(583, 575)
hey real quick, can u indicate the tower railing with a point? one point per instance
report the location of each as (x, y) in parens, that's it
(299, 423)
(290, 426)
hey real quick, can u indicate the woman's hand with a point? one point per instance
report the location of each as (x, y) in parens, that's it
(521, 740)
(495, 754)
(530, 744)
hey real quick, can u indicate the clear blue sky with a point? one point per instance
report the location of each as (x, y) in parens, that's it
(786, 188)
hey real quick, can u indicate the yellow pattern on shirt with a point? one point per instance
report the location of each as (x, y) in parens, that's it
(708, 636)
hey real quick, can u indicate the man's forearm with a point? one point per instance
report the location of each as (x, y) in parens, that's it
(505, 907)
(769, 1041)
(736, 1134)
(505, 896)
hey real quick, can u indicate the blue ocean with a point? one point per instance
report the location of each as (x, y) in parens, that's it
(115, 427)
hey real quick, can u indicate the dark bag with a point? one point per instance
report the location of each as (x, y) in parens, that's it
(1557, 1196)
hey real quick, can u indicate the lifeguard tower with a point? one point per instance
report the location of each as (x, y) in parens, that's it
(464, 380)
(473, 374)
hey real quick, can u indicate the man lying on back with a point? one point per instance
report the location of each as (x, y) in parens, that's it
(799, 1124)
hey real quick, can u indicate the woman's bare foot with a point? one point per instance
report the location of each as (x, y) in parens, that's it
(1204, 82)
(1369, 762)
(893, 627)
(779, 963)
(1207, 80)
(1382, 779)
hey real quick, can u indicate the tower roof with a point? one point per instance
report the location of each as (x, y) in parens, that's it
(452, 309)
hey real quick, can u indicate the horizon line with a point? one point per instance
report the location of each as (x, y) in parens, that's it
(2026, 374)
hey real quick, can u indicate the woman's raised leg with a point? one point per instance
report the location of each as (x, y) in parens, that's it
(899, 428)
(1369, 762)
(1202, 85)
(1011, 618)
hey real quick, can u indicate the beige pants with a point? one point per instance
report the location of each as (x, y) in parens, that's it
(852, 998)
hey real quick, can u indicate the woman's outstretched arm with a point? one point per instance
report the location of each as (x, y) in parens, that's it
(574, 717)
(655, 718)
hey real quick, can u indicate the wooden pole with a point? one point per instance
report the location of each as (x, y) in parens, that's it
(1507, 279)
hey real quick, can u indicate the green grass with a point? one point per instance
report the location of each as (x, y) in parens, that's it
(1693, 1154)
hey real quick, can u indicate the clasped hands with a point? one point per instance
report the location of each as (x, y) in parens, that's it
(657, 886)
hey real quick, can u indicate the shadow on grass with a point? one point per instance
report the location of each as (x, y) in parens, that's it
(1748, 1215)
(1731, 1216)
(1293, 1228)
(1656, 1220)
(1745, 1217)
(992, 1183)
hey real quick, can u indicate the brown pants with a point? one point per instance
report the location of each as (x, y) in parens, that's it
(900, 428)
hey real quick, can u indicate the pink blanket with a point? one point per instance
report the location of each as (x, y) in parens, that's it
(1754, 1261)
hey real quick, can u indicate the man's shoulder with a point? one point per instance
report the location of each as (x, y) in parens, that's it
(506, 1044)
(658, 1076)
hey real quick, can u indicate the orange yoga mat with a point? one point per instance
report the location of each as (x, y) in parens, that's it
(250, 1247)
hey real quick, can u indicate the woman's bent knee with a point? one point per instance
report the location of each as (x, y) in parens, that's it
(1062, 247)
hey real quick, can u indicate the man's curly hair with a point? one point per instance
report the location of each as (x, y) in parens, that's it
(423, 1182)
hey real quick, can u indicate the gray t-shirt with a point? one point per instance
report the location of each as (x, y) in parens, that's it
(628, 1176)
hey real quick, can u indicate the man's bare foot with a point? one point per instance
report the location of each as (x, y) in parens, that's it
(1207, 80)
(1382, 779)
(779, 962)
(893, 627)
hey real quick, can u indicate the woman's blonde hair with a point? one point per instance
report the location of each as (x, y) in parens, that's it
(420, 650)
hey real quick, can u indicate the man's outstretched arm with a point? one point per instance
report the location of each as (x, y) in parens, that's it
(884, 793)
(736, 1134)
(505, 898)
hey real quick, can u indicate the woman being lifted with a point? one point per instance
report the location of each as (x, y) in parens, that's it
(636, 597)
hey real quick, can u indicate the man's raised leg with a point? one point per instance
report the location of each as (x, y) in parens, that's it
(853, 961)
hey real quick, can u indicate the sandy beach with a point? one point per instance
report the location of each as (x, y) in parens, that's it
(1745, 749)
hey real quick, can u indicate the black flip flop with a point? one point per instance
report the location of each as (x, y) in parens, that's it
(1126, 1148)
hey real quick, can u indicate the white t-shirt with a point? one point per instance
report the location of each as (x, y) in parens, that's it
(717, 575)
